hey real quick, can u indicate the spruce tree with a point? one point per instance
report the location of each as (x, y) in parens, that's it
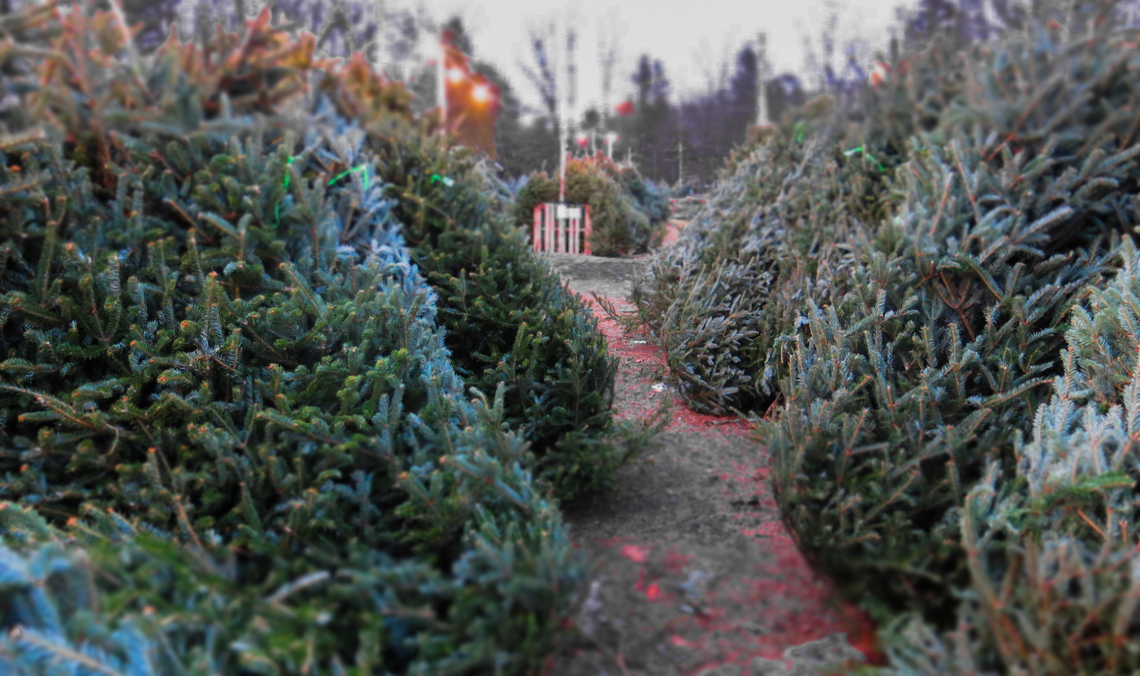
(1051, 557)
(51, 613)
(225, 379)
(897, 294)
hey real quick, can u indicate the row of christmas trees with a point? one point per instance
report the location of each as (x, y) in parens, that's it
(929, 305)
(279, 393)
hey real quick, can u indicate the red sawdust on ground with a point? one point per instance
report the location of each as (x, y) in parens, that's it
(807, 606)
(672, 229)
(646, 353)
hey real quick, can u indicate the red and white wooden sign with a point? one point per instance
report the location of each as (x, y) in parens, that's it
(561, 228)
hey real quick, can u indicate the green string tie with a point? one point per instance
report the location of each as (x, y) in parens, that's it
(346, 173)
(866, 154)
(799, 129)
(277, 209)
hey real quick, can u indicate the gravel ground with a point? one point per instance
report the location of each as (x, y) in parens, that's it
(693, 571)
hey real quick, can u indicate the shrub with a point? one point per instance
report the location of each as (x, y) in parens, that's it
(620, 227)
(538, 189)
(516, 185)
(649, 198)
(265, 399)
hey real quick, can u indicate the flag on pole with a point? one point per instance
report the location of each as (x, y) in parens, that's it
(879, 74)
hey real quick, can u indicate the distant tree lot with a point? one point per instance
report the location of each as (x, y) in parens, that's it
(662, 137)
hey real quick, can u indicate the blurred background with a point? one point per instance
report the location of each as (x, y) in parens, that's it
(675, 86)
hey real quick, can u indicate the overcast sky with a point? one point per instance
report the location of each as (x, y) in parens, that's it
(692, 39)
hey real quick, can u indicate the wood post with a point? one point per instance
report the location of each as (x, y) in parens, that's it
(568, 235)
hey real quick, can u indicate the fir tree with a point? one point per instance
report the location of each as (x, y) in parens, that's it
(898, 295)
(52, 620)
(225, 370)
(1052, 565)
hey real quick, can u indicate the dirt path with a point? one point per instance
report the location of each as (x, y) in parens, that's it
(693, 571)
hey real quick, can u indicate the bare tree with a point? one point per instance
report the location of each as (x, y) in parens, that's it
(555, 78)
(607, 59)
(715, 75)
(566, 98)
(572, 66)
(338, 18)
(542, 77)
(821, 69)
(704, 61)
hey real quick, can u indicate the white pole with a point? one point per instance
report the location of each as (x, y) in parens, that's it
(762, 116)
(377, 11)
(563, 136)
(680, 162)
(442, 88)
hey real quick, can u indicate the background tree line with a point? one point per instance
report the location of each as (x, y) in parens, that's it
(667, 139)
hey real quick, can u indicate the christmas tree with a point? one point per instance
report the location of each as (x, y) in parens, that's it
(895, 295)
(627, 215)
(228, 377)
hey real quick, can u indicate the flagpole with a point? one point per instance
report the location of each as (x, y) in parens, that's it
(442, 83)
(374, 56)
(762, 104)
(563, 132)
(680, 161)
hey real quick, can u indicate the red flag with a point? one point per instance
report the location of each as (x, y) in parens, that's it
(625, 108)
(879, 74)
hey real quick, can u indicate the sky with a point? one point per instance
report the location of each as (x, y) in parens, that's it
(692, 39)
